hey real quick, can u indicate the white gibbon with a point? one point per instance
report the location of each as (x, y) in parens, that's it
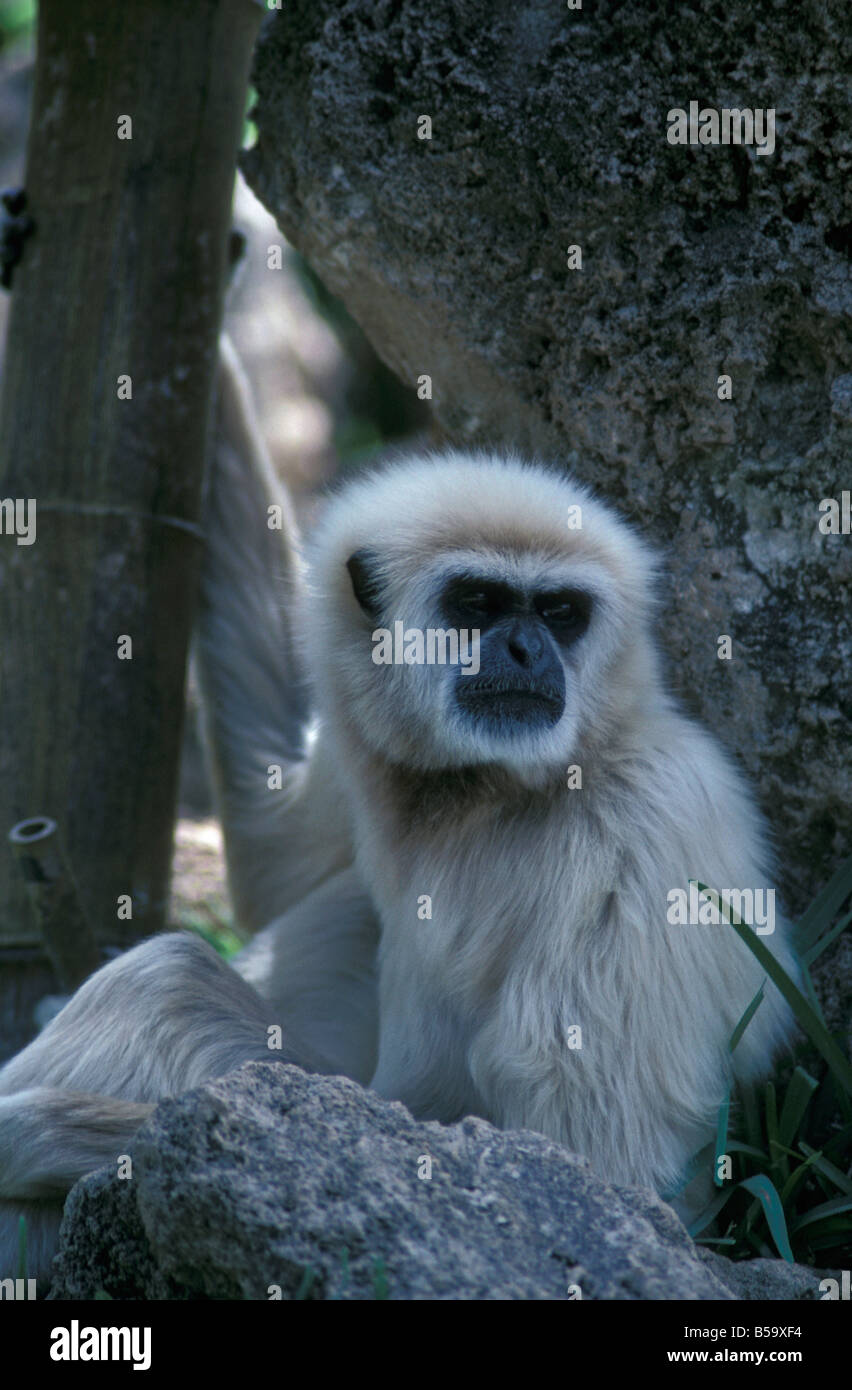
(459, 878)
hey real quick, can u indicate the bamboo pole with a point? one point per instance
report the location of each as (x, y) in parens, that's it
(119, 286)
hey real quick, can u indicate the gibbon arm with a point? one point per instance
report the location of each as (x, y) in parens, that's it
(282, 841)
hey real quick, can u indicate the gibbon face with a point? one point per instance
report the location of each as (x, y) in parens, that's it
(547, 593)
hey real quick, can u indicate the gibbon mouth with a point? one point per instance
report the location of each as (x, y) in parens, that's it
(520, 704)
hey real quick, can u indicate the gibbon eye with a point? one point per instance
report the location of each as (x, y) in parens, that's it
(476, 602)
(557, 611)
(567, 611)
(469, 600)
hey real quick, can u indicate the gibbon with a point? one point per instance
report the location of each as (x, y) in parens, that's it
(459, 874)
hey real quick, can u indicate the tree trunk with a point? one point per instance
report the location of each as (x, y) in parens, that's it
(122, 278)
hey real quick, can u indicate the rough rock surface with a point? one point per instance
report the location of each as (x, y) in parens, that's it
(768, 1279)
(549, 130)
(272, 1177)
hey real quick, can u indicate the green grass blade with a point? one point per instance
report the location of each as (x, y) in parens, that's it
(832, 1235)
(702, 1221)
(736, 1147)
(828, 1169)
(777, 1164)
(764, 1190)
(825, 941)
(795, 1181)
(840, 1143)
(219, 935)
(746, 1018)
(796, 1101)
(836, 1207)
(810, 994)
(789, 1153)
(751, 1115)
(824, 908)
(812, 1024)
(771, 1116)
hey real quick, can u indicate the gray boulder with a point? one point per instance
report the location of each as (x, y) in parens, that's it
(269, 1177)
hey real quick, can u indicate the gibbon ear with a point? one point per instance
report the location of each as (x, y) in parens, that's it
(365, 584)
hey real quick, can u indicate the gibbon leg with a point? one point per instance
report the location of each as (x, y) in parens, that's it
(160, 1019)
(317, 968)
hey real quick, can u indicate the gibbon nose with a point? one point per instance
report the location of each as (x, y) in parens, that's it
(524, 645)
